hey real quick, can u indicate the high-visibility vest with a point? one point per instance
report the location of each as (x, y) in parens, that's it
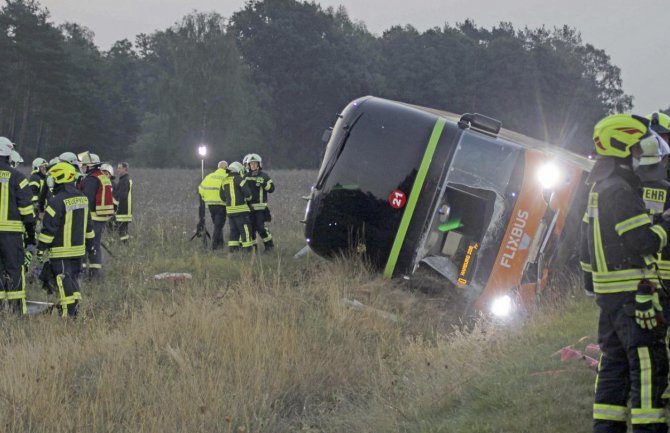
(104, 200)
(210, 187)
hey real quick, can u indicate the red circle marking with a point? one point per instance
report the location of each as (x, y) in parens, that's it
(397, 199)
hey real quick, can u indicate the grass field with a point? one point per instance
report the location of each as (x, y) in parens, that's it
(265, 343)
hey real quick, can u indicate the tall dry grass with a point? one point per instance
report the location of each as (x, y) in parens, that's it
(250, 344)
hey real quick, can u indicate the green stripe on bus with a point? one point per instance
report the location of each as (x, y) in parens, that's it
(414, 197)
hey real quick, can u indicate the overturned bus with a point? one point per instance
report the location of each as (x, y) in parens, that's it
(411, 187)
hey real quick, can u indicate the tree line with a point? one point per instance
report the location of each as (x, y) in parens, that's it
(272, 77)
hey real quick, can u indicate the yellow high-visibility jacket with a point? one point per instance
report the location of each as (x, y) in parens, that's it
(210, 187)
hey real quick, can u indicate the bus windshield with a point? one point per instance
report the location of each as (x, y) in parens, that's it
(476, 201)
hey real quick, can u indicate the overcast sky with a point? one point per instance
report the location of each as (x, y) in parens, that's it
(635, 34)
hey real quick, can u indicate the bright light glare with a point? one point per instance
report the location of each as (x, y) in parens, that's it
(202, 150)
(549, 175)
(502, 306)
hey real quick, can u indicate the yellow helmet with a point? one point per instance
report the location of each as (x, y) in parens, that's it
(660, 122)
(615, 135)
(63, 172)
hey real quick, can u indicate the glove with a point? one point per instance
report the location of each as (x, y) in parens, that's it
(647, 305)
(40, 256)
(28, 256)
(260, 181)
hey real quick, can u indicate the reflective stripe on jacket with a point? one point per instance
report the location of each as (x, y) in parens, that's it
(210, 187)
(98, 189)
(123, 194)
(16, 208)
(260, 186)
(66, 225)
(619, 242)
(235, 194)
(657, 200)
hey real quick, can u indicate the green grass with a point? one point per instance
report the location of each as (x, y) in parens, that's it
(521, 387)
(265, 343)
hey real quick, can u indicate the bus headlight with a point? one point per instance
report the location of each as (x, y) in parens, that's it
(502, 306)
(549, 175)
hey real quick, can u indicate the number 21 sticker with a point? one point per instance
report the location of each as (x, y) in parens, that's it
(397, 199)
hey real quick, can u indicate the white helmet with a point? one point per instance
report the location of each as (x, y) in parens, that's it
(6, 146)
(88, 158)
(108, 168)
(235, 167)
(70, 158)
(15, 158)
(254, 157)
(37, 162)
(654, 148)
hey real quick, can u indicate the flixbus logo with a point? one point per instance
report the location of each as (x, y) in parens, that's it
(514, 240)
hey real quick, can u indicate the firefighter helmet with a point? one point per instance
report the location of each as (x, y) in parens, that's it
(108, 168)
(15, 158)
(236, 167)
(38, 162)
(660, 122)
(63, 172)
(70, 158)
(88, 158)
(654, 148)
(615, 135)
(254, 157)
(6, 146)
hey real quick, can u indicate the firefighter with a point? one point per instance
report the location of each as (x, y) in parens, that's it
(38, 184)
(260, 185)
(17, 225)
(15, 159)
(619, 243)
(123, 195)
(67, 235)
(236, 196)
(660, 123)
(97, 188)
(210, 195)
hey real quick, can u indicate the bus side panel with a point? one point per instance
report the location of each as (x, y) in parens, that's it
(528, 212)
